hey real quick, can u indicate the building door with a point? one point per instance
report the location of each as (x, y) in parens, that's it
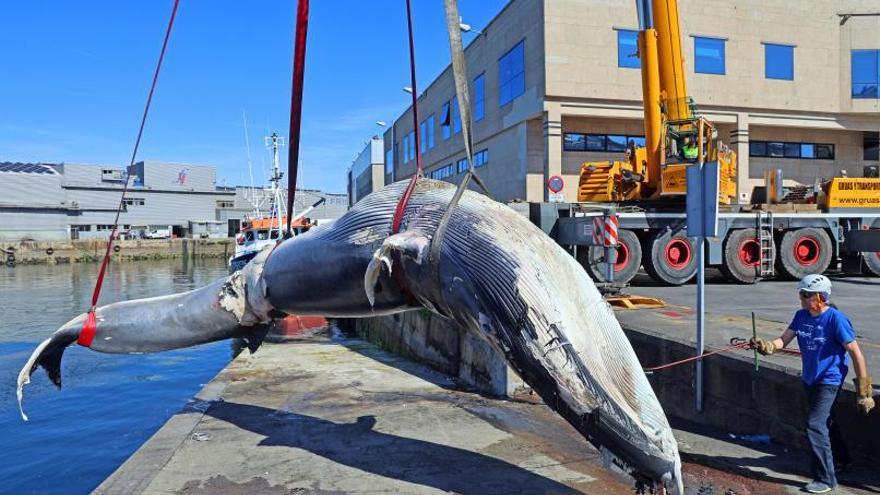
(233, 226)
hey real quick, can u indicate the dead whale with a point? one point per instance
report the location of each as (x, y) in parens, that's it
(494, 273)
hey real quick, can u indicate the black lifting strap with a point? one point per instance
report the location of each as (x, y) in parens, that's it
(459, 74)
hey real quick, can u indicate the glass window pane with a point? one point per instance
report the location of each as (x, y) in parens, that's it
(807, 150)
(430, 137)
(871, 145)
(757, 148)
(775, 150)
(423, 136)
(638, 141)
(574, 142)
(792, 150)
(479, 97)
(456, 116)
(616, 143)
(825, 151)
(447, 121)
(511, 74)
(595, 142)
(779, 62)
(865, 73)
(627, 49)
(709, 55)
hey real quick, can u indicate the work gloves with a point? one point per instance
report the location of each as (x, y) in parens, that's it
(764, 347)
(864, 392)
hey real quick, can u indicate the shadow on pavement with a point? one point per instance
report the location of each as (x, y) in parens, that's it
(359, 446)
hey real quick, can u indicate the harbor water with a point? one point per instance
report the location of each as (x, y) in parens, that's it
(110, 404)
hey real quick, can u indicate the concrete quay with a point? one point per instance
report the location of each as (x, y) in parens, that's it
(92, 250)
(339, 415)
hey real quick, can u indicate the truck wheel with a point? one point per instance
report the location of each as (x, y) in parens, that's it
(742, 257)
(670, 257)
(626, 263)
(803, 252)
(871, 265)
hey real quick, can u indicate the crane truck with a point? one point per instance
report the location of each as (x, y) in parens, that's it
(788, 233)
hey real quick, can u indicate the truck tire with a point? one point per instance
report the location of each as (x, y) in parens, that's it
(871, 265)
(742, 251)
(803, 252)
(669, 257)
(627, 259)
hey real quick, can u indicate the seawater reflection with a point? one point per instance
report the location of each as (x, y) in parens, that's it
(110, 404)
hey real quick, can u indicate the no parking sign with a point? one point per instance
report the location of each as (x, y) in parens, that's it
(555, 185)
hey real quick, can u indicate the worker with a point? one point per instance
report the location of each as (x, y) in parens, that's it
(689, 150)
(825, 336)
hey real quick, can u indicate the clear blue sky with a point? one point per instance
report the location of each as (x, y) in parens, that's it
(76, 76)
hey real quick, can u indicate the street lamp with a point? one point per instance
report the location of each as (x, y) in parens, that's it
(407, 89)
(467, 28)
(380, 123)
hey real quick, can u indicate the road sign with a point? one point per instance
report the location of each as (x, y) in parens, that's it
(556, 197)
(702, 200)
(555, 184)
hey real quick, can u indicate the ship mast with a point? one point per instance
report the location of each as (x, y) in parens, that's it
(278, 204)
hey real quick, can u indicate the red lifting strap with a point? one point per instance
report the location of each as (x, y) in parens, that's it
(88, 331)
(299, 69)
(404, 200)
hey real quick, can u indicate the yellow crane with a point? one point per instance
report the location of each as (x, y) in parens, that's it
(657, 170)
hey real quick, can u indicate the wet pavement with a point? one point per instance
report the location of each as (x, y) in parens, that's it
(338, 415)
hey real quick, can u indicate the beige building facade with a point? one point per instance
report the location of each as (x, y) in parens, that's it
(790, 85)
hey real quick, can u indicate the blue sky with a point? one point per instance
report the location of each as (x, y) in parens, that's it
(76, 76)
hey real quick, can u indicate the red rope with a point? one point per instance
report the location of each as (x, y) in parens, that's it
(404, 200)
(296, 96)
(88, 331)
(741, 345)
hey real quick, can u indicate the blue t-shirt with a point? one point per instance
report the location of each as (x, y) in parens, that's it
(822, 339)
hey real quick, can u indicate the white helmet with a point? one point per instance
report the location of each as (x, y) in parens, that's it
(815, 283)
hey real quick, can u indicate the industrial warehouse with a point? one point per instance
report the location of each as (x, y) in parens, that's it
(76, 201)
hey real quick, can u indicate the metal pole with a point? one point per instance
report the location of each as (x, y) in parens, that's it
(701, 309)
(609, 252)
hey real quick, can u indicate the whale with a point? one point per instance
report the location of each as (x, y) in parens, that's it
(489, 270)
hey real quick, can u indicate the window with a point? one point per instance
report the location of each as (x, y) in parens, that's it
(708, 55)
(133, 201)
(423, 132)
(406, 148)
(627, 49)
(447, 121)
(81, 228)
(573, 141)
(481, 158)
(757, 148)
(462, 165)
(225, 204)
(103, 228)
(456, 116)
(809, 151)
(412, 145)
(779, 62)
(479, 97)
(865, 73)
(616, 143)
(511, 74)
(430, 134)
(871, 145)
(442, 172)
(389, 161)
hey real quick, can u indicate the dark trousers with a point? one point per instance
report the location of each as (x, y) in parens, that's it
(826, 443)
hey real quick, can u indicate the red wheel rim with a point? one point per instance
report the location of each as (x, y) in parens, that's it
(749, 252)
(622, 256)
(678, 253)
(806, 251)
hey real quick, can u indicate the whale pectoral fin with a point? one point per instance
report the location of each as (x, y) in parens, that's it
(411, 245)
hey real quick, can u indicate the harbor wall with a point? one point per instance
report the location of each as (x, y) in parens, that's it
(92, 250)
(737, 399)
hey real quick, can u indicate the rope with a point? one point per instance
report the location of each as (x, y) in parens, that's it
(740, 345)
(299, 57)
(404, 199)
(88, 331)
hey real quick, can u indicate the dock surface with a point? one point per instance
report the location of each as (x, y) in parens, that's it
(329, 414)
